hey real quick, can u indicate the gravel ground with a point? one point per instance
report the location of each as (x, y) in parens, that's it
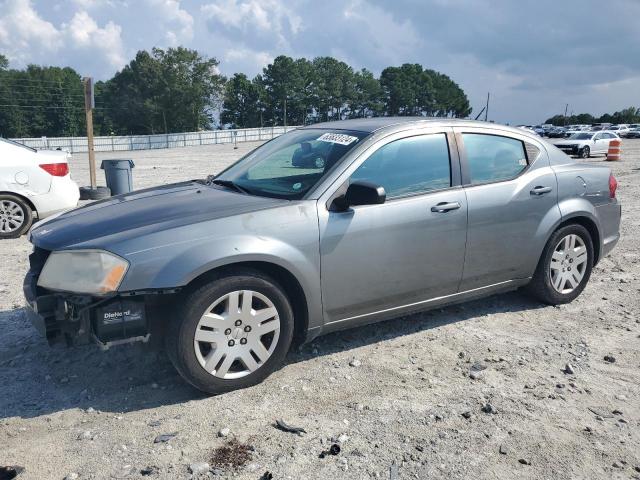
(398, 397)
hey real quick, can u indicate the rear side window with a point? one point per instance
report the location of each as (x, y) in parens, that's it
(409, 166)
(493, 158)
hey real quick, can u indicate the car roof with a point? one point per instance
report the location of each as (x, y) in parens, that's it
(375, 124)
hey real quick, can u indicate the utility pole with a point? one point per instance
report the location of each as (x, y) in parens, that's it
(89, 105)
(565, 113)
(486, 111)
(285, 114)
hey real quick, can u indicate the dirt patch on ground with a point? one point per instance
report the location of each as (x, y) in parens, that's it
(232, 454)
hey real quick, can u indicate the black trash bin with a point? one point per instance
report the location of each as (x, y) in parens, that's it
(118, 175)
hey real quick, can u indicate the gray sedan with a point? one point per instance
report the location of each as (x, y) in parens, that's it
(324, 228)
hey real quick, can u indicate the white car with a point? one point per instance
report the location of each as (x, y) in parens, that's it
(585, 144)
(620, 130)
(33, 183)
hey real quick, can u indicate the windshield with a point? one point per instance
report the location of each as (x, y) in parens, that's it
(11, 142)
(290, 165)
(582, 136)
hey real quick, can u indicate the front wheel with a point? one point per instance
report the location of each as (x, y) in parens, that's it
(585, 152)
(231, 333)
(565, 266)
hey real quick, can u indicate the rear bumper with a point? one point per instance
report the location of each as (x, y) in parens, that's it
(63, 195)
(609, 216)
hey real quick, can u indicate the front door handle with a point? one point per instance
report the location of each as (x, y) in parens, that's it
(443, 207)
(540, 190)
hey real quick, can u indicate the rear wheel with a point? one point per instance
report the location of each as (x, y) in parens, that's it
(231, 333)
(585, 152)
(565, 266)
(16, 216)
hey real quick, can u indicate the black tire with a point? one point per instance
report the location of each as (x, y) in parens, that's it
(585, 152)
(26, 212)
(98, 193)
(181, 327)
(541, 287)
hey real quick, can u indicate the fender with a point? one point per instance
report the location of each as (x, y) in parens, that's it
(286, 237)
(580, 207)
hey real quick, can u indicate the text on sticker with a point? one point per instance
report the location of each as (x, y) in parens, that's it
(339, 138)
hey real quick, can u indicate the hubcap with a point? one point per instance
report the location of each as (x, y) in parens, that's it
(237, 334)
(568, 264)
(11, 216)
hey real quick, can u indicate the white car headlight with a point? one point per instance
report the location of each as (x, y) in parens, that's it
(83, 271)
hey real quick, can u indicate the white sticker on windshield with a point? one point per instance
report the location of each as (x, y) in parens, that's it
(339, 138)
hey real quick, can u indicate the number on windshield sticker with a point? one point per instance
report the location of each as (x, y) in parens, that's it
(339, 138)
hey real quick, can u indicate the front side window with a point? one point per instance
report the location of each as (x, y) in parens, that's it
(409, 166)
(290, 165)
(493, 158)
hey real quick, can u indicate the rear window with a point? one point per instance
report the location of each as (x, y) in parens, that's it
(493, 158)
(16, 144)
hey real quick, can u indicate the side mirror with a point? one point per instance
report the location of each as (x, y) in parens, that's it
(360, 193)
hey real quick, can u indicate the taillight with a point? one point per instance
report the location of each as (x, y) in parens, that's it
(613, 185)
(55, 169)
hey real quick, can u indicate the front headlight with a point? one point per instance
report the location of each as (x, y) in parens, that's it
(83, 271)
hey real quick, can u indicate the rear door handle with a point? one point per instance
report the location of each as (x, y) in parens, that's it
(443, 207)
(540, 190)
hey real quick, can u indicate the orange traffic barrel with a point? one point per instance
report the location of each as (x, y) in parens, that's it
(614, 149)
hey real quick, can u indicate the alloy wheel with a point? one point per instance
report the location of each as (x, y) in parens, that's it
(568, 264)
(237, 334)
(585, 152)
(11, 216)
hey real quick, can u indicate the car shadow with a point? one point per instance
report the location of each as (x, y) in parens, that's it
(38, 380)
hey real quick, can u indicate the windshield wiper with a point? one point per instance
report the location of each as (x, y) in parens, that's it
(229, 184)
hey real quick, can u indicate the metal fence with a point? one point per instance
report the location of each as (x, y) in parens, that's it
(148, 142)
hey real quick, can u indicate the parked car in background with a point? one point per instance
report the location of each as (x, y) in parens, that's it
(620, 130)
(404, 215)
(633, 133)
(33, 184)
(556, 132)
(585, 144)
(539, 130)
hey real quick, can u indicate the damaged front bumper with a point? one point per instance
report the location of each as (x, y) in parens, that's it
(81, 319)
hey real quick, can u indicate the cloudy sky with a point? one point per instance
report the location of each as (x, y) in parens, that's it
(534, 56)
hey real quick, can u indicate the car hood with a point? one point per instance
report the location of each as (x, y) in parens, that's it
(141, 212)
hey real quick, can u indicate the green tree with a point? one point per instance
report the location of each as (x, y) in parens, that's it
(172, 90)
(335, 87)
(283, 83)
(41, 101)
(241, 107)
(367, 96)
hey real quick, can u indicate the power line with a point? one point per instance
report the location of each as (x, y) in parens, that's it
(69, 107)
(28, 79)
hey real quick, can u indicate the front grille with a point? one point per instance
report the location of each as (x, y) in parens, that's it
(37, 259)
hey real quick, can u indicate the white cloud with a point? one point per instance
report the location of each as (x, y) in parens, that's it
(84, 33)
(256, 18)
(247, 60)
(22, 29)
(178, 21)
(89, 4)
